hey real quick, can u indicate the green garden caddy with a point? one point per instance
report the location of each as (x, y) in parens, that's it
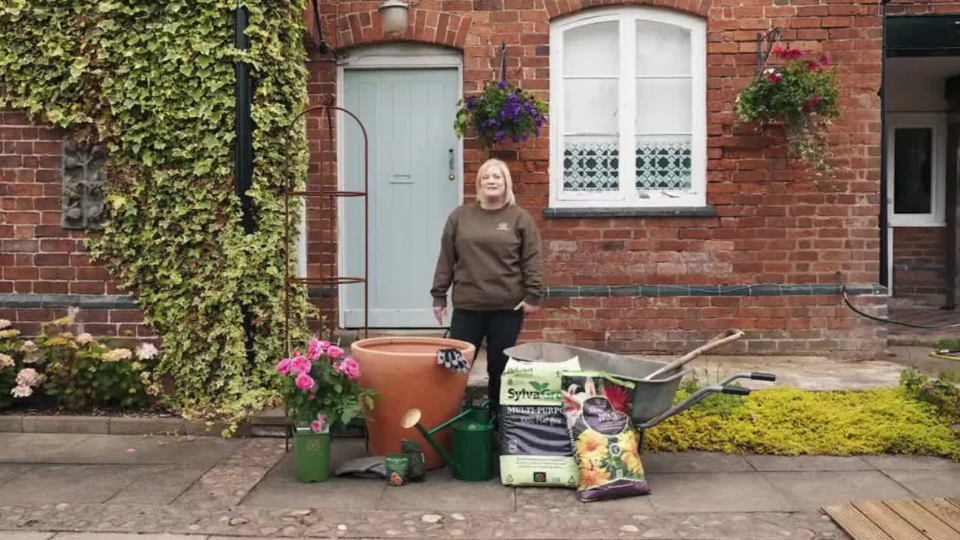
(472, 459)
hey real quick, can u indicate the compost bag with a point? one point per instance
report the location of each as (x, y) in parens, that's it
(605, 444)
(534, 443)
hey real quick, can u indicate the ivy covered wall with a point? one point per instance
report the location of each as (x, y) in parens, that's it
(154, 83)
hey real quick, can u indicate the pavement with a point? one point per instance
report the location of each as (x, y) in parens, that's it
(108, 487)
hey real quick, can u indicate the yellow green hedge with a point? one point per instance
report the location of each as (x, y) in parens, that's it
(787, 421)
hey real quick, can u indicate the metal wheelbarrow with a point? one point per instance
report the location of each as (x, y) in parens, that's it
(656, 383)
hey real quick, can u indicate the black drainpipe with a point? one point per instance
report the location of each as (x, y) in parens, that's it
(884, 277)
(243, 155)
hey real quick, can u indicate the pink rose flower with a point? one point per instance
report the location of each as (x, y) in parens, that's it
(283, 366)
(314, 350)
(300, 364)
(304, 382)
(317, 425)
(334, 352)
(351, 368)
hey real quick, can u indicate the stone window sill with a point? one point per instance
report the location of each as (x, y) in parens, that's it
(607, 213)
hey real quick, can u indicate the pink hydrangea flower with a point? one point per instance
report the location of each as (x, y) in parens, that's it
(283, 366)
(22, 391)
(304, 382)
(351, 368)
(334, 352)
(300, 364)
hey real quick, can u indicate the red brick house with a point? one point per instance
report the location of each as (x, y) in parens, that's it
(707, 226)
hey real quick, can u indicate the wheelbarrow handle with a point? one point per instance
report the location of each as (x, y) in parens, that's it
(723, 339)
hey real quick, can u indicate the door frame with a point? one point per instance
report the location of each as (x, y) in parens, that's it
(938, 122)
(387, 56)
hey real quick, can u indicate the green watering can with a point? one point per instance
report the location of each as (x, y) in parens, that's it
(472, 459)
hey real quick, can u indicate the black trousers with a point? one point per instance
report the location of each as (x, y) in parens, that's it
(500, 328)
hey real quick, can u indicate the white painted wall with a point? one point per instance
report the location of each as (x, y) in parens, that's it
(917, 84)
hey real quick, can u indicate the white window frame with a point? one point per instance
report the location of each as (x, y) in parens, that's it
(628, 196)
(938, 124)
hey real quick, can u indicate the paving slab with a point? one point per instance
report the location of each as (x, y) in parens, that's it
(811, 491)
(641, 505)
(929, 484)
(147, 450)
(12, 470)
(25, 535)
(66, 424)
(281, 489)
(125, 536)
(685, 462)
(804, 372)
(11, 423)
(441, 493)
(68, 484)
(548, 499)
(911, 463)
(134, 425)
(716, 492)
(808, 463)
(158, 485)
(35, 447)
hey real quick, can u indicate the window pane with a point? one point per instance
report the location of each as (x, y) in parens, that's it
(663, 106)
(591, 164)
(664, 163)
(590, 106)
(662, 49)
(913, 171)
(592, 50)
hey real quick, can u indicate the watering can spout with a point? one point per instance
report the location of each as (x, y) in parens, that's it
(472, 443)
(411, 419)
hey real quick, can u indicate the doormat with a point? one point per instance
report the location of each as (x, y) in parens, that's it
(929, 519)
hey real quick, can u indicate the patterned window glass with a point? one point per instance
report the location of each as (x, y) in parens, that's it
(664, 163)
(591, 164)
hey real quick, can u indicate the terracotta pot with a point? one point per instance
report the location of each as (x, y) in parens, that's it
(405, 372)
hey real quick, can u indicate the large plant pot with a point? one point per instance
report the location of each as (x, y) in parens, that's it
(311, 455)
(405, 372)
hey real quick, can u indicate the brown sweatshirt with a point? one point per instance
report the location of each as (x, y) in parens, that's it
(491, 257)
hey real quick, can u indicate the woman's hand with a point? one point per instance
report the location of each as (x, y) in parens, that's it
(440, 312)
(527, 308)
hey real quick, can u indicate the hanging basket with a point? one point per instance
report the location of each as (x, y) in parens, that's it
(802, 94)
(502, 112)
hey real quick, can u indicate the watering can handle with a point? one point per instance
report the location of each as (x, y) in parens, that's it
(727, 337)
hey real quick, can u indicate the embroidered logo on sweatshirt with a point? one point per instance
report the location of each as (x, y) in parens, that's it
(503, 226)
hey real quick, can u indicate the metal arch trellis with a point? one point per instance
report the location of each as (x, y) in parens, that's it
(328, 235)
(769, 38)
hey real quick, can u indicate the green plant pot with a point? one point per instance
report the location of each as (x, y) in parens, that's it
(311, 454)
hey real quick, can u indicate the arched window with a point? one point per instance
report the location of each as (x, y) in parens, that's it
(628, 83)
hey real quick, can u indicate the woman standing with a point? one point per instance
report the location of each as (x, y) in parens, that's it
(490, 253)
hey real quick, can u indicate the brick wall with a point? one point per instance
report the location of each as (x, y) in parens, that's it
(923, 7)
(774, 223)
(918, 264)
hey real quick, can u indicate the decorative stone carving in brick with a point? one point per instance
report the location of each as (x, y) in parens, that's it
(84, 172)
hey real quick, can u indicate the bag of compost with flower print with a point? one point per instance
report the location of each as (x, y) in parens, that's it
(534, 443)
(597, 407)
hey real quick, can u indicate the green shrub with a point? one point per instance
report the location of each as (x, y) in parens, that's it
(787, 421)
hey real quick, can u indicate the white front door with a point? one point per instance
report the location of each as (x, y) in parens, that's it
(414, 184)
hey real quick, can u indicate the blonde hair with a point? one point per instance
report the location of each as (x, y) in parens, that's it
(509, 199)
